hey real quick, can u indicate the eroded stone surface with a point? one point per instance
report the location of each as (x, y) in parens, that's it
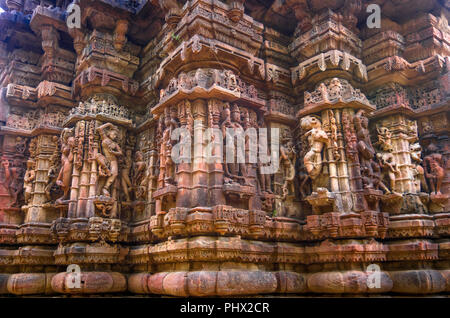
(87, 175)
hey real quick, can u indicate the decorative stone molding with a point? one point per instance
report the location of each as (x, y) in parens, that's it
(333, 59)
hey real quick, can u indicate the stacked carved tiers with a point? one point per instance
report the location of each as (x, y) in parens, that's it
(87, 176)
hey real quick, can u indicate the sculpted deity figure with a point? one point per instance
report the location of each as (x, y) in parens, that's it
(411, 126)
(226, 119)
(13, 179)
(21, 144)
(389, 167)
(288, 157)
(434, 171)
(166, 163)
(189, 118)
(376, 178)
(125, 175)
(335, 88)
(65, 173)
(334, 129)
(111, 150)
(234, 171)
(28, 179)
(52, 175)
(324, 92)
(418, 172)
(183, 81)
(265, 180)
(384, 139)
(139, 168)
(317, 139)
(350, 137)
(230, 81)
(364, 145)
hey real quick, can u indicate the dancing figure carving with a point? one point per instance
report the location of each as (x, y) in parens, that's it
(317, 139)
(111, 150)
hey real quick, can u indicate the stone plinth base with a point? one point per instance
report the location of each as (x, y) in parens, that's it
(217, 283)
(30, 283)
(241, 283)
(420, 281)
(90, 283)
(4, 283)
(349, 282)
(230, 283)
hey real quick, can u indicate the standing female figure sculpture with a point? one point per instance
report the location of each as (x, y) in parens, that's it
(364, 145)
(125, 175)
(111, 149)
(65, 173)
(317, 139)
(434, 171)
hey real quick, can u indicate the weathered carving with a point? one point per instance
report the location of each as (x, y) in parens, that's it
(434, 171)
(87, 174)
(125, 175)
(206, 79)
(389, 168)
(364, 145)
(317, 140)
(384, 139)
(288, 158)
(418, 171)
(52, 173)
(28, 179)
(13, 179)
(333, 91)
(111, 151)
(235, 172)
(67, 141)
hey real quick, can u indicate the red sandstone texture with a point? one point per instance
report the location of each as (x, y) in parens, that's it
(87, 176)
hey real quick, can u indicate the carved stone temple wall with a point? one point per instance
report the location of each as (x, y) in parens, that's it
(88, 182)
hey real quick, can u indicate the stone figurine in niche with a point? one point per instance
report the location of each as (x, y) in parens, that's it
(28, 179)
(265, 179)
(364, 146)
(377, 177)
(139, 168)
(389, 168)
(13, 179)
(167, 166)
(125, 175)
(317, 140)
(334, 130)
(434, 171)
(304, 180)
(111, 150)
(52, 175)
(418, 171)
(230, 81)
(288, 157)
(351, 141)
(234, 172)
(21, 145)
(411, 126)
(384, 139)
(189, 118)
(67, 156)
